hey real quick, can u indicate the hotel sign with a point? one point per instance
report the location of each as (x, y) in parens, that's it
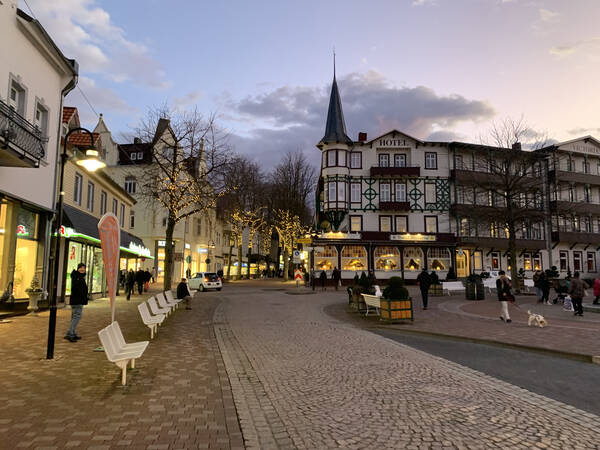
(413, 237)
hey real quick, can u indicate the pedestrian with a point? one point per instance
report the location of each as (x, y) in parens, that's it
(147, 278)
(139, 279)
(536, 285)
(544, 286)
(424, 281)
(153, 275)
(504, 295)
(188, 272)
(312, 279)
(596, 291)
(184, 293)
(577, 291)
(79, 298)
(323, 278)
(337, 277)
(129, 283)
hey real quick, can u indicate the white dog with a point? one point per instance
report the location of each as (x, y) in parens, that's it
(537, 319)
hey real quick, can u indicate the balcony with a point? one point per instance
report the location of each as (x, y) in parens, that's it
(21, 143)
(500, 243)
(564, 207)
(574, 177)
(575, 237)
(396, 171)
(461, 176)
(394, 206)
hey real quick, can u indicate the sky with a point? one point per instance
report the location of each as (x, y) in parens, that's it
(434, 69)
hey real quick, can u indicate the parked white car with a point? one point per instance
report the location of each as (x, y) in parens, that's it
(205, 280)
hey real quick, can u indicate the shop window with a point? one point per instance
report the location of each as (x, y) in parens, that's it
(577, 261)
(413, 259)
(495, 260)
(438, 258)
(384, 192)
(384, 160)
(355, 193)
(527, 261)
(354, 257)
(26, 251)
(387, 259)
(477, 260)
(431, 224)
(564, 260)
(431, 160)
(591, 261)
(326, 259)
(401, 224)
(400, 160)
(385, 224)
(78, 189)
(356, 160)
(103, 197)
(400, 192)
(355, 223)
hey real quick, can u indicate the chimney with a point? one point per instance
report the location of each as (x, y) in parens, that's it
(362, 137)
(517, 146)
(137, 140)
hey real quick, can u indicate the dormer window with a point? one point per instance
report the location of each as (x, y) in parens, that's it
(140, 156)
(133, 156)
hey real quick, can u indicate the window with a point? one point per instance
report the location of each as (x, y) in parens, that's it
(78, 189)
(341, 191)
(464, 227)
(384, 192)
(587, 193)
(16, 100)
(341, 158)
(140, 156)
(586, 223)
(115, 205)
(355, 223)
(354, 257)
(527, 261)
(130, 185)
(438, 258)
(495, 260)
(569, 164)
(355, 193)
(90, 196)
(103, 198)
(400, 192)
(430, 160)
(477, 260)
(384, 160)
(430, 193)
(385, 224)
(331, 197)
(586, 166)
(537, 262)
(572, 197)
(331, 158)
(401, 224)
(577, 261)
(131, 219)
(459, 162)
(198, 227)
(133, 156)
(412, 258)
(122, 217)
(326, 259)
(356, 160)
(399, 160)
(591, 261)
(387, 259)
(164, 222)
(564, 260)
(41, 118)
(430, 224)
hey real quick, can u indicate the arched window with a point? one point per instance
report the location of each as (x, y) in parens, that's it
(438, 258)
(413, 259)
(327, 259)
(354, 257)
(387, 258)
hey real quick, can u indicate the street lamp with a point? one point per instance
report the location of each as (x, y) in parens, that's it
(90, 163)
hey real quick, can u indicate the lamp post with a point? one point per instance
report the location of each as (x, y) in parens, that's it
(90, 163)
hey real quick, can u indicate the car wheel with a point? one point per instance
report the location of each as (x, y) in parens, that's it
(201, 288)
(218, 289)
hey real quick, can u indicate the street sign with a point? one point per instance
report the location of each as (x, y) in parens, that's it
(297, 257)
(298, 275)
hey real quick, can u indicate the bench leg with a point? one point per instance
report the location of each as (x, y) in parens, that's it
(124, 375)
(152, 332)
(133, 363)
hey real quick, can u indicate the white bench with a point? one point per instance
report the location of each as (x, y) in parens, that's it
(149, 320)
(155, 308)
(162, 302)
(373, 301)
(117, 352)
(452, 286)
(172, 299)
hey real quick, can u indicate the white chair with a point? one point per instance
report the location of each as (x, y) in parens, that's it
(114, 354)
(155, 308)
(175, 303)
(150, 321)
(171, 298)
(163, 303)
(115, 330)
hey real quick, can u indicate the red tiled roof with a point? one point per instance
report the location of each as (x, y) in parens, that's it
(68, 112)
(83, 139)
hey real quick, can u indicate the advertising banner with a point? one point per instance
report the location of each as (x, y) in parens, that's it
(110, 241)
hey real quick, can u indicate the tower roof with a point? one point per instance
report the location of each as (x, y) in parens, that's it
(335, 128)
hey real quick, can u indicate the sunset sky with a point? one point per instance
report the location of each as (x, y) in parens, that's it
(436, 69)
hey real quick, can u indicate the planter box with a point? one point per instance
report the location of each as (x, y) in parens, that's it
(396, 310)
(474, 291)
(435, 290)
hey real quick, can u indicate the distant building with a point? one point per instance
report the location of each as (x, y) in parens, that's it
(34, 78)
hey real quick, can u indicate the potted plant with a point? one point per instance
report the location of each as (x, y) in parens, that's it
(474, 289)
(435, 288)
(396, 304)
(34, 291)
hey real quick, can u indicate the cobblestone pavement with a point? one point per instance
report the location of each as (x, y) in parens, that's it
(303, 379)
(177, 397)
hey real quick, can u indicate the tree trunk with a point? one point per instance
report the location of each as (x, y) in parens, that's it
(169, 254)
(286, 265)
(248, 256)
(512, 248)
(229, 262)
(240, 252)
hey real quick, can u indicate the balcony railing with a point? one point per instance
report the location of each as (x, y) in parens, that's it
(574, 177)
(398, 171)
(23, 138)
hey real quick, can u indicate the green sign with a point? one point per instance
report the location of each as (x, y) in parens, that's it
(188, 259)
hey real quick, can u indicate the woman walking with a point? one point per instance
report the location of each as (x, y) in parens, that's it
(504, 295)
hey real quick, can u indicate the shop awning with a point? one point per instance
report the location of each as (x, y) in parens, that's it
(78, 224)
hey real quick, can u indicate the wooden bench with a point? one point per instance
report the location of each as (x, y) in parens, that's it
(119, 352)
(149, 320)
(372, 301)
(452, 286)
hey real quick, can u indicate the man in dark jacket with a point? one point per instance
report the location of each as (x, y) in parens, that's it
(129, 283)
(337, 276)
(504, 295)
(79, 297)
(323, 278)
(184, 293)
(140, 278)
(424, 282)
(577, 291)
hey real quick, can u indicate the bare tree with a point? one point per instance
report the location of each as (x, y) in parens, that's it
(189, 152)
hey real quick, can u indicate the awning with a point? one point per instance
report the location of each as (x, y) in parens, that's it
(78, 224)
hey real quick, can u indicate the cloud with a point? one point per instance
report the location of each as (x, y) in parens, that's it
(86, 32)
(546, 18)
(188, 99)
(569, 49)
(584, 131)
(423, 2)
(291, 118)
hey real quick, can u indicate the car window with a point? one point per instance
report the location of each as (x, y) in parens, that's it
(198, 275)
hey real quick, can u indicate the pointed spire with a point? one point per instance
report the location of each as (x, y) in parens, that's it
(335, 128)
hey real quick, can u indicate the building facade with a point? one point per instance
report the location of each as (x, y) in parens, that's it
(396, 205)
(34, 78)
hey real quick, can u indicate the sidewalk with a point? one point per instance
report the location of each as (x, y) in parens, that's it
(177, 397)
(454, 316)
